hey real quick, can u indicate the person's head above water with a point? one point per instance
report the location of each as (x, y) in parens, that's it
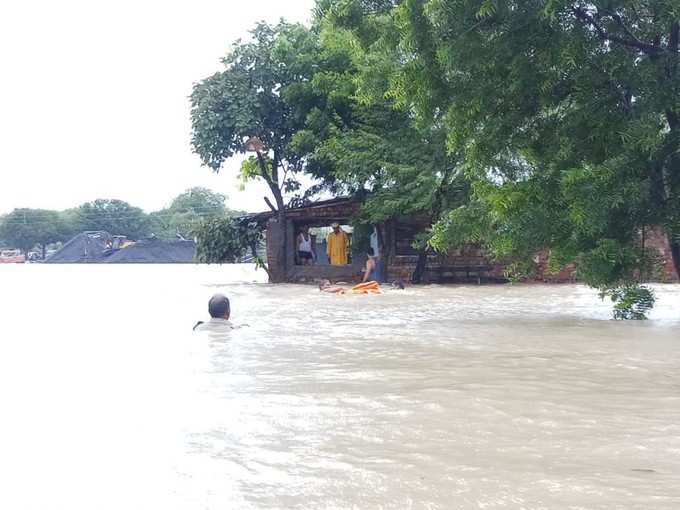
(218, 307)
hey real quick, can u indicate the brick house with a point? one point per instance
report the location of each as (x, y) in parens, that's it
(395, 239)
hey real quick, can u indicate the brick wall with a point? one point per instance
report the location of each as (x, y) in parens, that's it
(401, 259)
(463, 265)
(543, 274)
(315, 215)
(452, 266)
(341, 212)
(656, 239)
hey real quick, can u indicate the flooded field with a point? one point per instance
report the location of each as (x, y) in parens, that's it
(458, 397)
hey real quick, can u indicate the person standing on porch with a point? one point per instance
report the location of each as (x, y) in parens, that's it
(305, 247)
(372, 273)
(337, 246)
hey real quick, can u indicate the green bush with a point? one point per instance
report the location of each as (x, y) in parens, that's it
(631, 301)
(221, 240)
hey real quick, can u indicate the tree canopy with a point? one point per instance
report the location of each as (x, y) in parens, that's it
(250, 101)
(187, 211)
(563, 116)
(27, 228)
(200, 201)
(520, 126)
(115, 217)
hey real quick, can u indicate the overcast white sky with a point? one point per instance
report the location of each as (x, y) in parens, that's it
(93, 97)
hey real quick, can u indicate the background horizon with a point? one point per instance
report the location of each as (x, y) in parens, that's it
(98, 105)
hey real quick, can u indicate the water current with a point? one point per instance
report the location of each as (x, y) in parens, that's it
(440, 397)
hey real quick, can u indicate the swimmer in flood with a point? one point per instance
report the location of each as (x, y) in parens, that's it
(220, 311)
(361, 288)
(327, 286)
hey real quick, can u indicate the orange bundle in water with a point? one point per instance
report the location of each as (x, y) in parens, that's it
(366, 288)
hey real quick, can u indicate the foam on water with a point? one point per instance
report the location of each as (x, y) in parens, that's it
(434, 397)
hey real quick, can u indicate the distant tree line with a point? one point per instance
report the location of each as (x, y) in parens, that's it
(29, 229)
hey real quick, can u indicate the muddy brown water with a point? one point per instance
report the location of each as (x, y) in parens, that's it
(451, 397)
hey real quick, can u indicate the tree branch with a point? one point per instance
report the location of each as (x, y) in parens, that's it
(285, 175)
(268, 202)
(263, 169)
(674, 38)
(673, 43)
(275, 167)
(634, 43)
(619, 21)
(273, 185)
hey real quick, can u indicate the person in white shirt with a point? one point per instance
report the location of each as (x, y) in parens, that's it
(305, 247)
(220, 311)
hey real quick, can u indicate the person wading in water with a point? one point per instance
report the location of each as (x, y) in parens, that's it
(373, 272)
(220, 311)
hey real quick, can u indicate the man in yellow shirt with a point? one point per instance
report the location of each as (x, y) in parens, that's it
(337, 246)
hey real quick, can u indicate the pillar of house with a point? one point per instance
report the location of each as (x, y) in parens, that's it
(291, 245)
(275, 255)
(280, 261)
(656, 238)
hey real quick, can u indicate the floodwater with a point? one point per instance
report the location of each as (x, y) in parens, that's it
(460, 397)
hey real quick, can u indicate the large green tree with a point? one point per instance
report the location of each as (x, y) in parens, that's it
(70, 221)
(362, 139)
(295, 90)
(27, 228)
(187, 211)
(247, 107)
(200, 201)
(564, 115)
(230, 240)
(366, 145)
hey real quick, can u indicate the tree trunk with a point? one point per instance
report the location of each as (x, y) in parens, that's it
(282, 254)
(283, 251)
(278, 196)
(274, 186)
(383, 251)
(386, 248)
(421, 266)
(675, 254)
(673, 177)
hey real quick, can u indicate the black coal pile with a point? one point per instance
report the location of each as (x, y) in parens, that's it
(88, 247)
(102, 248)
(154, 252)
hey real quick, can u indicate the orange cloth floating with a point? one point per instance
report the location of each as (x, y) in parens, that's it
(366, 288)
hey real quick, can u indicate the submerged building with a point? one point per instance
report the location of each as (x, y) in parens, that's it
(393, 240)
